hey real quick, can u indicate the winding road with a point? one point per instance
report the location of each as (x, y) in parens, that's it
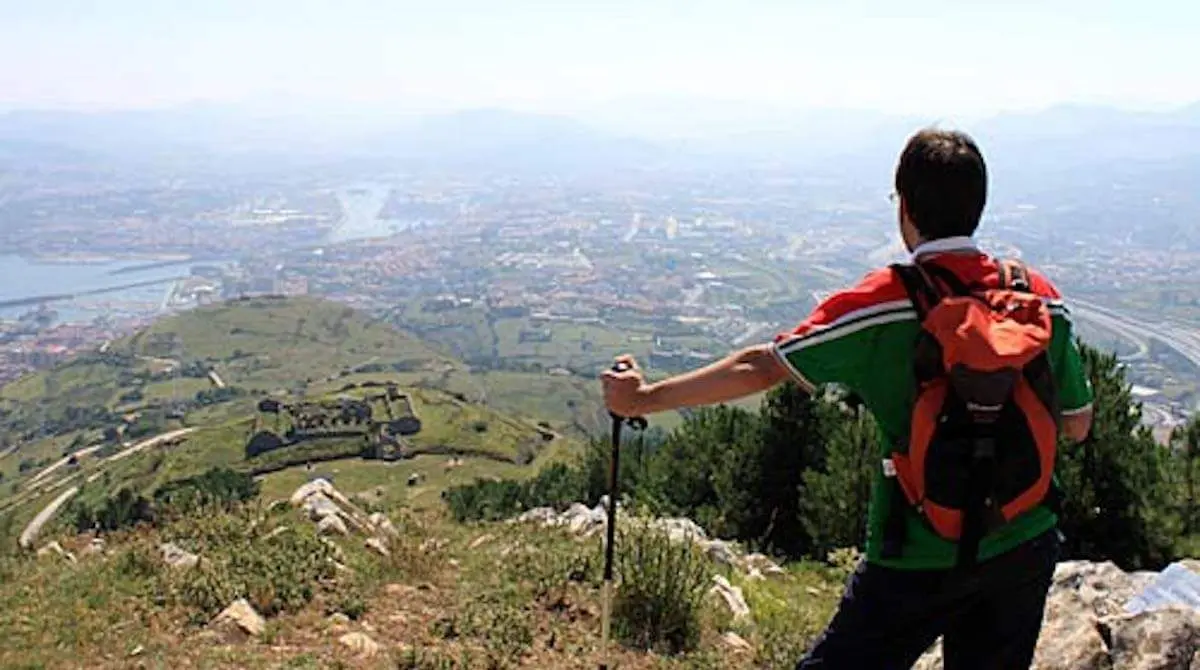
(29, 535)
(1182, 339)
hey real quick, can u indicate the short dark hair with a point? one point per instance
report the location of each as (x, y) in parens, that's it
(943, 181)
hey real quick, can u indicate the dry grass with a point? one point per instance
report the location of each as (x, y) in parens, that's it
(489, 595)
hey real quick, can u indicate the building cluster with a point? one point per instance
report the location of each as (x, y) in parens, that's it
(692, 269)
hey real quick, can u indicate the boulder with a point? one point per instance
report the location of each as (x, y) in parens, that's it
(480, 541)
(579, 519)
(1156, 639)
(1071, 635)
(378, 546)
(757, 563)
(176, 557)
(1086, 626)
(360, 643)
(720, 552)
(682, 529)
(732, 596)
(1103, 587)
(544, 516)
(383, 525)
(735, 642)
(318, 506)
(303, 493)
(241, 615)
(55, 549)
(332, 525)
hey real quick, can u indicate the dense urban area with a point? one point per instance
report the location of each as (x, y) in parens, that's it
(534, 271)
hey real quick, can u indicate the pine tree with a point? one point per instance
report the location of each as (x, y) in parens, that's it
(793, 441)
(1118, 487)
(1185, 446)
(837, 496)
(682, 476)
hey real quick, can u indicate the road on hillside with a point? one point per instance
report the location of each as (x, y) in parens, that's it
(1182, 339)
(31, 531)
(50, 469)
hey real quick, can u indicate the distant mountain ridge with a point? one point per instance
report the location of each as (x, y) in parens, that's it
(483, 136)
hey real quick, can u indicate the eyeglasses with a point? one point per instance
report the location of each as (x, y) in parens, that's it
(893, 196)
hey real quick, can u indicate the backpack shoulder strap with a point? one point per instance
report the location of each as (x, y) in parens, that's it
(921, 291)
(947, 277)
(1015, 275)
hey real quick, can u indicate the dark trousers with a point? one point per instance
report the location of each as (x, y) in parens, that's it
(989, 616)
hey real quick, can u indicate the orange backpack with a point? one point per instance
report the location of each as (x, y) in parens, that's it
(984, 431)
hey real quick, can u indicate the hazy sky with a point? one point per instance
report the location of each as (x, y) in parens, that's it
(923, 56)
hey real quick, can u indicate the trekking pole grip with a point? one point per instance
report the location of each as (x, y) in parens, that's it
(636, 422)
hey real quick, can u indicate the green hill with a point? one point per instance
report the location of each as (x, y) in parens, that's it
(201, 378)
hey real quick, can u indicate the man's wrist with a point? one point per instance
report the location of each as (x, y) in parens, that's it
(647, 395)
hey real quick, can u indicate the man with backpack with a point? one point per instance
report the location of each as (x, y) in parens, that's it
(970, 368)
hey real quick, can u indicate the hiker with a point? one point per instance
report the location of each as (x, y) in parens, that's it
(962, 534)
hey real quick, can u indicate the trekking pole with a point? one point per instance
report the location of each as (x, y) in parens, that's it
(637, 423)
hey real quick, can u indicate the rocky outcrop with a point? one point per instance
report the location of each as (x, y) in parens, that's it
(582, 521)
(336, 515)
(1099, 617)
(732, 596)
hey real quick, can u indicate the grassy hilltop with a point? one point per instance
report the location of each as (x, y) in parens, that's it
(203, 373)
(138, 453)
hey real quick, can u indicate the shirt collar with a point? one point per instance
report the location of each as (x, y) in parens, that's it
(943, 245)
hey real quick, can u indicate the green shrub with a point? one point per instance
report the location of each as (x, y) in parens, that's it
(503, 626)
(415, 658)
(351, 601)
(124, 510)
(545, 561)
(220, 487)
(557, 485)
(485, 500)
(659, 600)
(275, 573)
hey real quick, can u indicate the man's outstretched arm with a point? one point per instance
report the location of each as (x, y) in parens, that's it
(741, 373)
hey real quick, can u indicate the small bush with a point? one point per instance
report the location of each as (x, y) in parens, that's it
(219, 487)
(505, 628)
(556, 486)
(661, 594)
(275, 573)
(124, 510)
(546, 561)
(485, 500)
(351, 601)
(434, 659)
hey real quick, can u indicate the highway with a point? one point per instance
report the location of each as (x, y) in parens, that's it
(1181, 338)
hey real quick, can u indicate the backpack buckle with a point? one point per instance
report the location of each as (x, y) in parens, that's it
(889, 468)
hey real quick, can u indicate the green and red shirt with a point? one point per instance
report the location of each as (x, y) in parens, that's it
(861, 338)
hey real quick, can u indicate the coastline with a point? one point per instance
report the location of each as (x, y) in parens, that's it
(102, 259)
